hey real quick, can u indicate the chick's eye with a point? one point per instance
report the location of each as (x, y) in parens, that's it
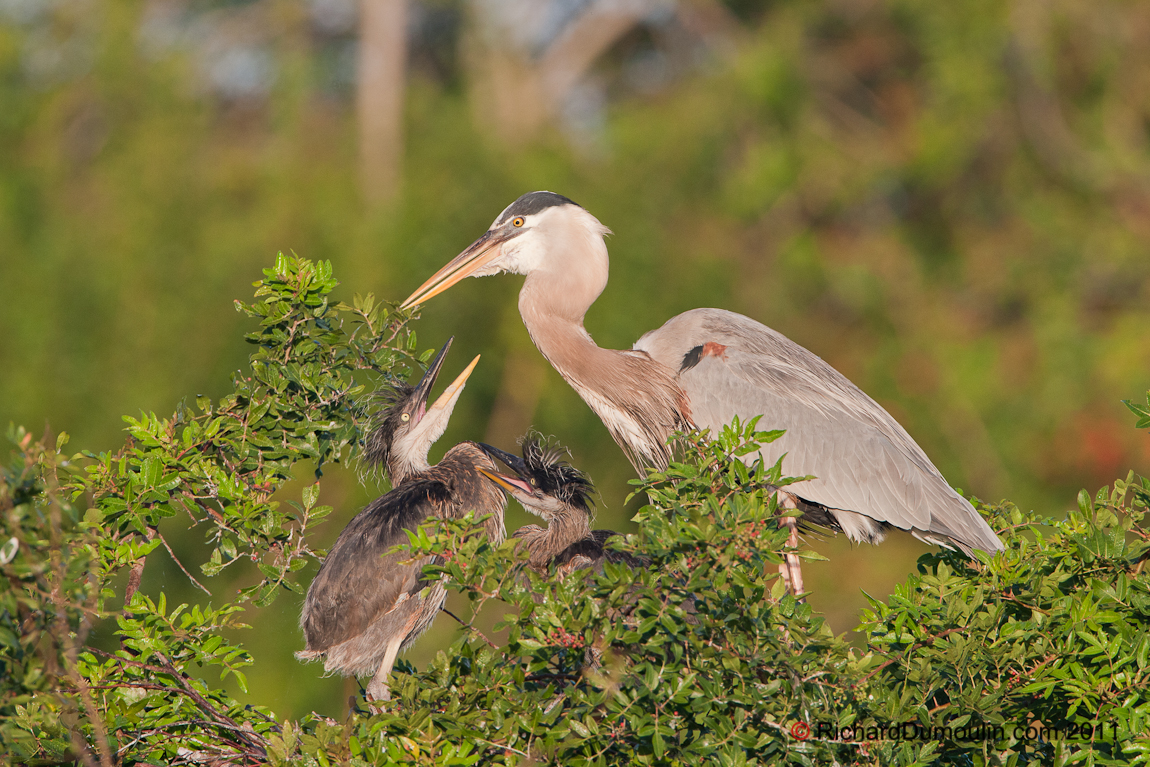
(517, 221)
(405, 418)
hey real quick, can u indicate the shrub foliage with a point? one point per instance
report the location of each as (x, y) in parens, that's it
(1040, 655)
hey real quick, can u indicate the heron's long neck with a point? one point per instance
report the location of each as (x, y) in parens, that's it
(565, 342)
(404, 466)
(637, 398)
(561, 532)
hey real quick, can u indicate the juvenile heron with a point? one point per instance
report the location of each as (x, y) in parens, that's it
(365, 605)
(550, 488)
(404, 428)
(704, 367)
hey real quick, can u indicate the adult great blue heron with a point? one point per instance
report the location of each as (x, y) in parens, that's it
(550, 488)
(366, 604)
(704, 367)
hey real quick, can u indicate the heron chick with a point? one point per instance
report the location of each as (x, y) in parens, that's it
(367, 603)
(404, 429)
(551, 488)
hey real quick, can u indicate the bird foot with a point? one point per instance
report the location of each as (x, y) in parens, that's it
(378, 691)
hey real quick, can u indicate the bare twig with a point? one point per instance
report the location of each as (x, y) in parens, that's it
(1007, 595)
(504, 747)
(185, 688)
(180, 564)
(65, 638)
(469, 627)
(203, 703)
(917, 646)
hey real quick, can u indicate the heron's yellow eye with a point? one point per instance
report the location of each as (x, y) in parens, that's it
(405, 417)
(517, 221)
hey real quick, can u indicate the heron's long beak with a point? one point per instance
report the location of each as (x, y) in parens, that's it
(480, 253)
(432, 422)
(447, 400)
(423, 388)
(515, 463)
(513, 485)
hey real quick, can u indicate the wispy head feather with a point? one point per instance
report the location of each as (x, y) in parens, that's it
(553, 474)
(388, 402)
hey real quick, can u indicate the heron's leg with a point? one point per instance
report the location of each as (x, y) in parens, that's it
(378, 689)
(791, 569)
(794, 565)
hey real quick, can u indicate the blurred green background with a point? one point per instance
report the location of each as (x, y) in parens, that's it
(949, 202)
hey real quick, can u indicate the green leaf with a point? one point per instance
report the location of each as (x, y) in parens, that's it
(310, 496)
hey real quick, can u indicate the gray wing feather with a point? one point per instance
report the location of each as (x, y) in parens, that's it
(863, 460)
(360, 581)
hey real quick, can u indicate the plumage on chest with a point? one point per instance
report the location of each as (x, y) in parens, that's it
(640, 403)
(624, 423)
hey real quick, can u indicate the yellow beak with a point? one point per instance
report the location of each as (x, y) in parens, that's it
(480, 253)
(507, 483)
(447, 399)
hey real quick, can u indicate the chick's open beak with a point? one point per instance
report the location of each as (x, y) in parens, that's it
(446, 400)
(520, 482)
(512, 485)
(513, 462)
(423, 388)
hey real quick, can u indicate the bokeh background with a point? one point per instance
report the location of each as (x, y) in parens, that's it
(948, 201)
